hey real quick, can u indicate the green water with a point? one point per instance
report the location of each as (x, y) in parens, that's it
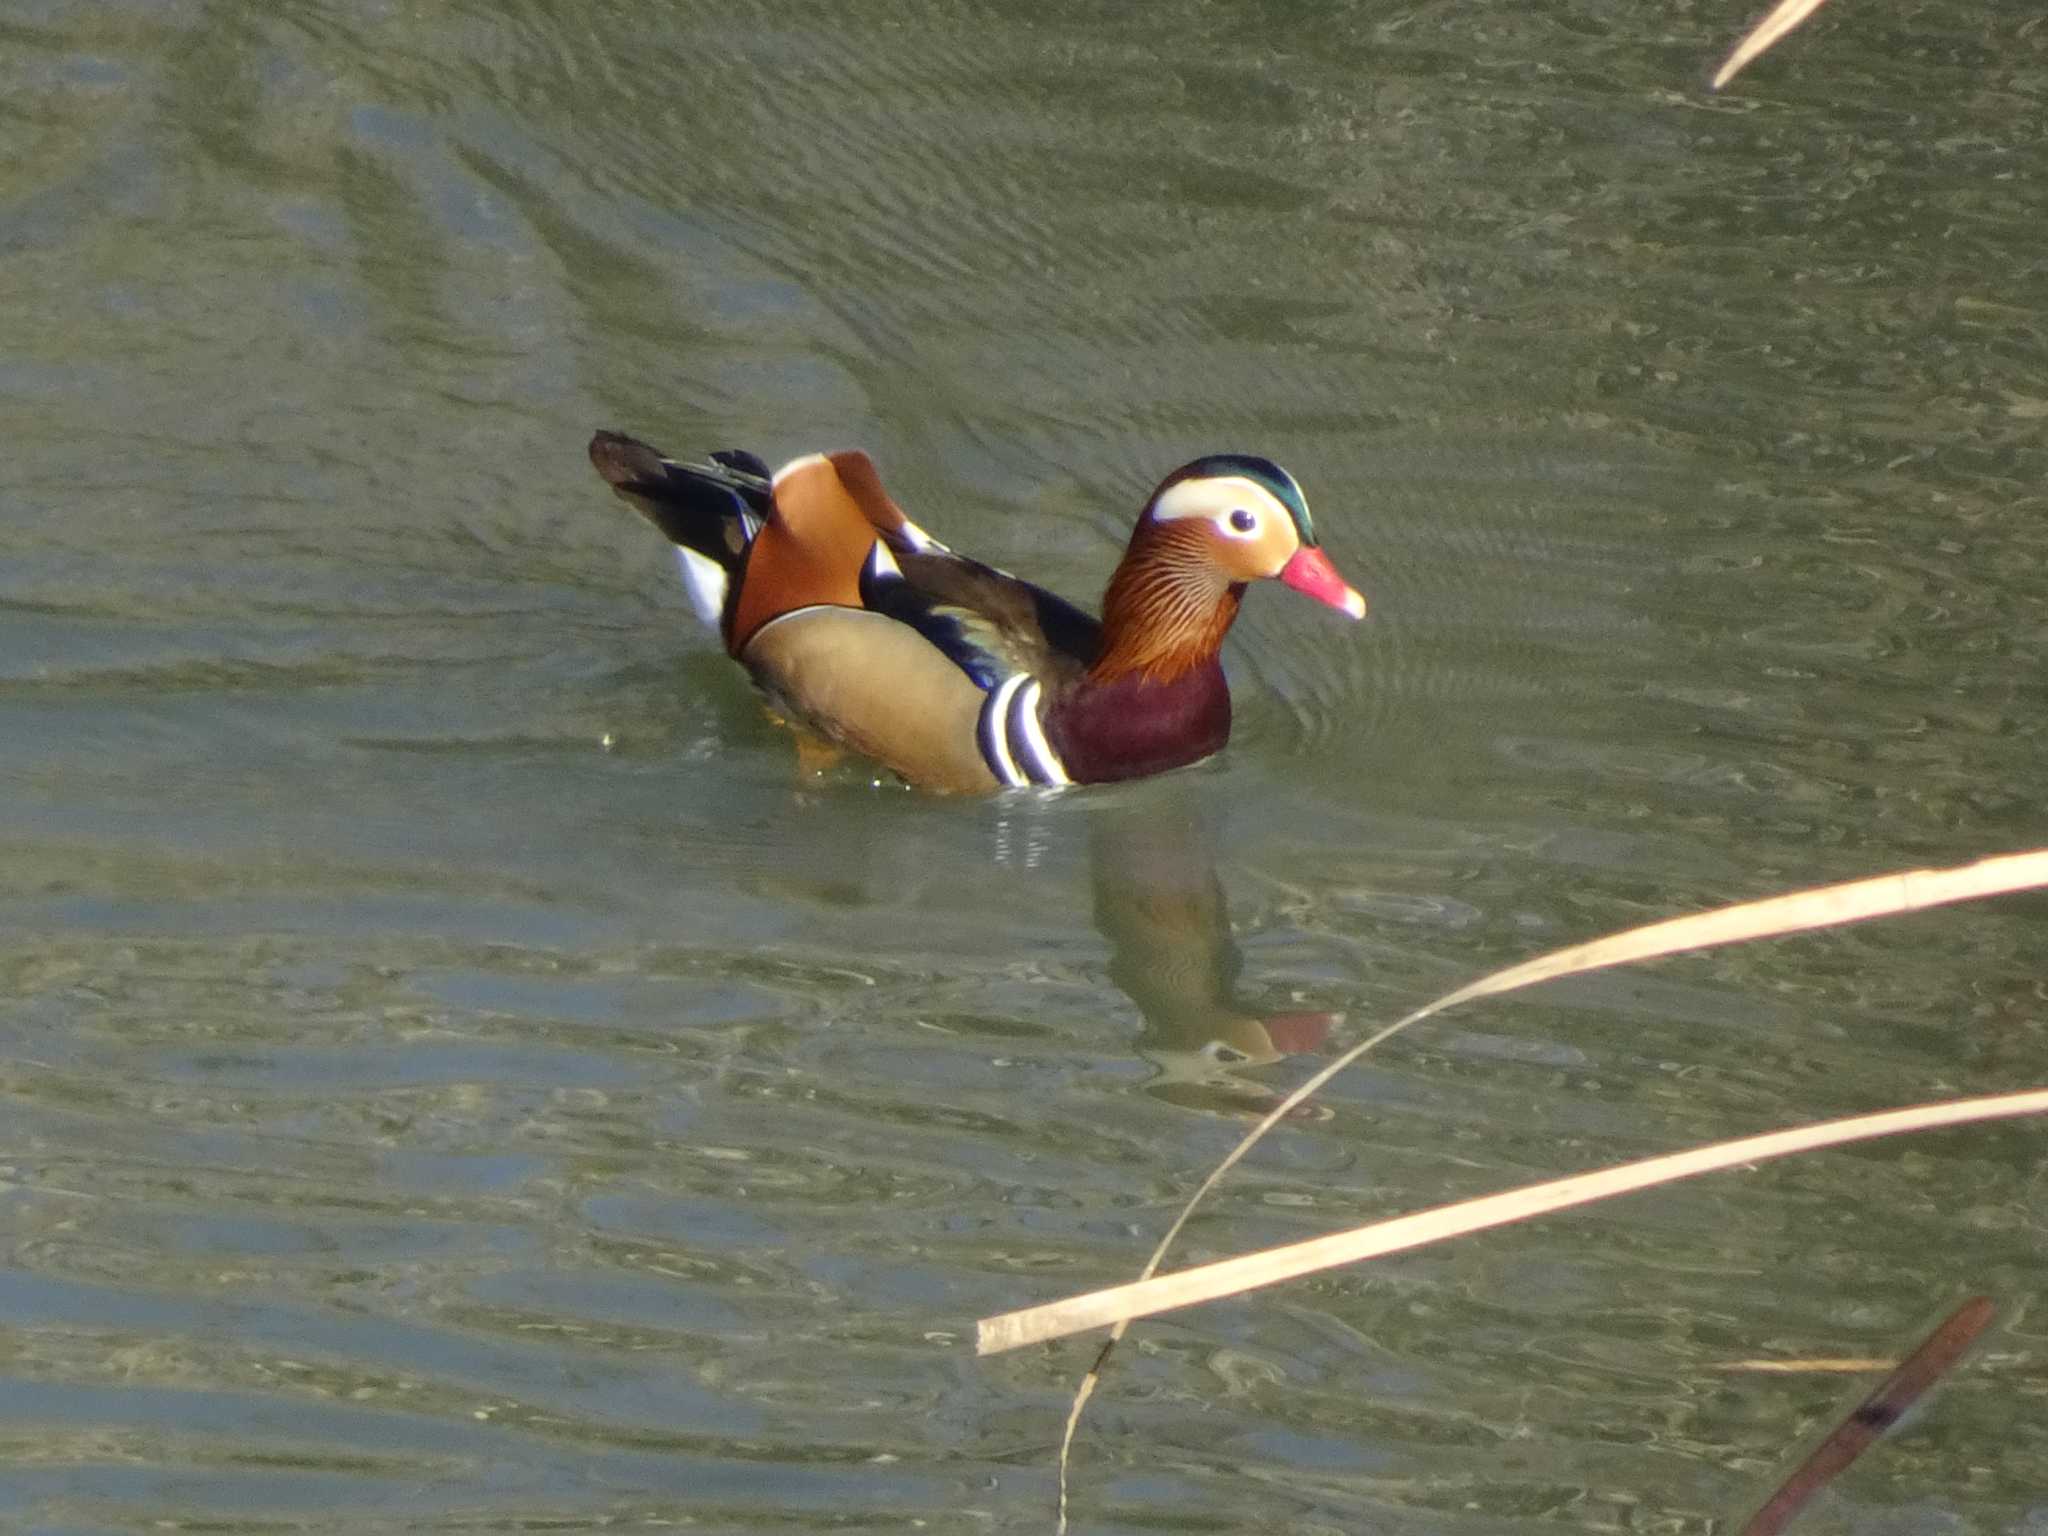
(458, 1077)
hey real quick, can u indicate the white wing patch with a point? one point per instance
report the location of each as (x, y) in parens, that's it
(795, 466)
(1012, 738)
(882, 565)
(919, 541)
(704, 579)
(1042, 762)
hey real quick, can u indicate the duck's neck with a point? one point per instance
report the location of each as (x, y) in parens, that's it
(1166, 612)
(1155, 698)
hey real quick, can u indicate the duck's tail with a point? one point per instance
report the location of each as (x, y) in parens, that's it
(710, 512)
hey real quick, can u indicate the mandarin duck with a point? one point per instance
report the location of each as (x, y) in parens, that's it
(860, 626)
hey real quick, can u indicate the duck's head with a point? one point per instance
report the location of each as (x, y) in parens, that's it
(1248, 516)
(1211, 527)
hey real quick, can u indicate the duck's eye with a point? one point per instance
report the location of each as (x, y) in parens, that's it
(1243, 520)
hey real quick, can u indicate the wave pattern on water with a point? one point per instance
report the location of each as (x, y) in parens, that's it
(457, 1074)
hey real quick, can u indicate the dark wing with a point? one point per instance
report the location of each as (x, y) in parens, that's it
(695, 505)
(712, 510)
(988, 622)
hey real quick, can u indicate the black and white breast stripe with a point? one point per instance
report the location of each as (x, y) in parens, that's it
(1013, 741)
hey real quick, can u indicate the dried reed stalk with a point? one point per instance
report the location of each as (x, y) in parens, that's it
(1799, 912)
(1874, 1415)
(1783, 18)
(1270, 1266)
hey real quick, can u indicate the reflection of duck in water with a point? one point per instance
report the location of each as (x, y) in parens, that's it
(862, 628)
(1161, 908)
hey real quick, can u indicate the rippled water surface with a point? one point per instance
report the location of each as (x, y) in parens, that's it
(458, 1075)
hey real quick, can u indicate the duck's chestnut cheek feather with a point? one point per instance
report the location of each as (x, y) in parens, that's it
(1310, 572)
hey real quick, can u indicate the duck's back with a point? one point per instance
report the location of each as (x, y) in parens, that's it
(855, 622)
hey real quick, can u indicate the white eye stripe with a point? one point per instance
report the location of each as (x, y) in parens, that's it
(1216, 498)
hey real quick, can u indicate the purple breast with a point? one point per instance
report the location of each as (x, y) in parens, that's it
(1132, 727)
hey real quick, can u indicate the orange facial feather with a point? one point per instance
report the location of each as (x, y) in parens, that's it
(1168, 606)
